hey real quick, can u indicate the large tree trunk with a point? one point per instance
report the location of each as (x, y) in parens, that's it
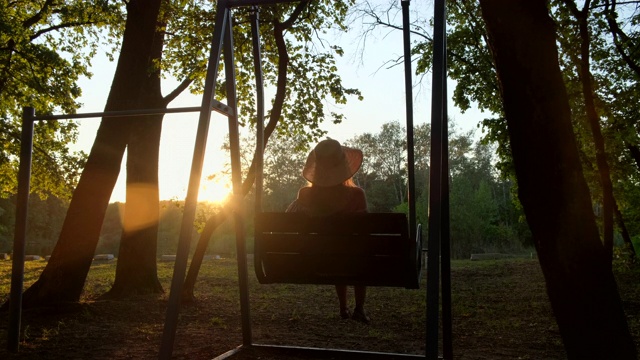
(136, 271)
(552, 188)
(63, 278)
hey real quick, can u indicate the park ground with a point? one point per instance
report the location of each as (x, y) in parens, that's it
(500, 311)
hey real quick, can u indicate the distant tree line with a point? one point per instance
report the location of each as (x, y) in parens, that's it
(46, 218)
(484, 215)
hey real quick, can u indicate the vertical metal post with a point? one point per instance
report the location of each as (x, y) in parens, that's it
(20, 231)
(408, 86)
(182, 254)
(236, 178)
(435, 180)
(445, 236)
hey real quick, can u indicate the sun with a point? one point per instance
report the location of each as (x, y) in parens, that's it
(215, 191)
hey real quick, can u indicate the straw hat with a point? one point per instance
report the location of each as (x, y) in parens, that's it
(330, 163)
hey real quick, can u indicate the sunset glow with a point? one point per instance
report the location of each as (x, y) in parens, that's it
(216, 190)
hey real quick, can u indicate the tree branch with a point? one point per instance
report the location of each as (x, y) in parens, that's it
(378, 21)
(295, 14)
(276, 111)
(38, 16)
(615, 31)
(60, 26)
(55, 166)
(604, 172)
(177, 91)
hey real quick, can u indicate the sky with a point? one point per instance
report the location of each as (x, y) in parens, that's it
(384, 101)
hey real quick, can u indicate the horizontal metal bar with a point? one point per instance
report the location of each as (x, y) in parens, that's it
(239, 3)
(217, 106)
(311, 352)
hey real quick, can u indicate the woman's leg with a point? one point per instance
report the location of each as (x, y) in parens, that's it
(361, 294)
(358, 313)
(341, 290)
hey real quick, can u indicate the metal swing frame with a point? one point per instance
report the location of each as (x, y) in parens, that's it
(438, 263)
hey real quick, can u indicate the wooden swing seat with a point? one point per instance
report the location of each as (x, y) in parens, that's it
(372, 249)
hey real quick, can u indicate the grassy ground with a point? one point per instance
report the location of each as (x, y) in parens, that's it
(500, 311)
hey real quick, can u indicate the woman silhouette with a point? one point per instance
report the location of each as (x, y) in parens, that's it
(329, 170)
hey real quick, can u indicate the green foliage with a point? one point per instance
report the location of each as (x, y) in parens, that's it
(615, 87)
(636, 243)
(284, 160)
(483, 215)
(44, 222)
(312, 78)
(45, 47)
(384, 171)
(109, 242)
(614, 37)
(7, 221)
(46, 218)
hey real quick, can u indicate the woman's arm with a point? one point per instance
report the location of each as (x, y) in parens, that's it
(359, 200)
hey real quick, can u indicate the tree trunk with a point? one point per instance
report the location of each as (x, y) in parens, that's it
(136, 271)
(551, 186)
(624, 231)
(620, 221)
(63, 278)
(188, 297)
(584, 69)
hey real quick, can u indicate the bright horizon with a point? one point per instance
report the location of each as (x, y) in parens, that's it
(384, 101)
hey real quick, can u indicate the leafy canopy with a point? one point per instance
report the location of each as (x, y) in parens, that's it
(45, 47)
(312, 78)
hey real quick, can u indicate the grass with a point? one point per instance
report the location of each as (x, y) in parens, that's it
(500, 311)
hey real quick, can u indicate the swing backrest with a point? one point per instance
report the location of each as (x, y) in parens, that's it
(372, 249)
